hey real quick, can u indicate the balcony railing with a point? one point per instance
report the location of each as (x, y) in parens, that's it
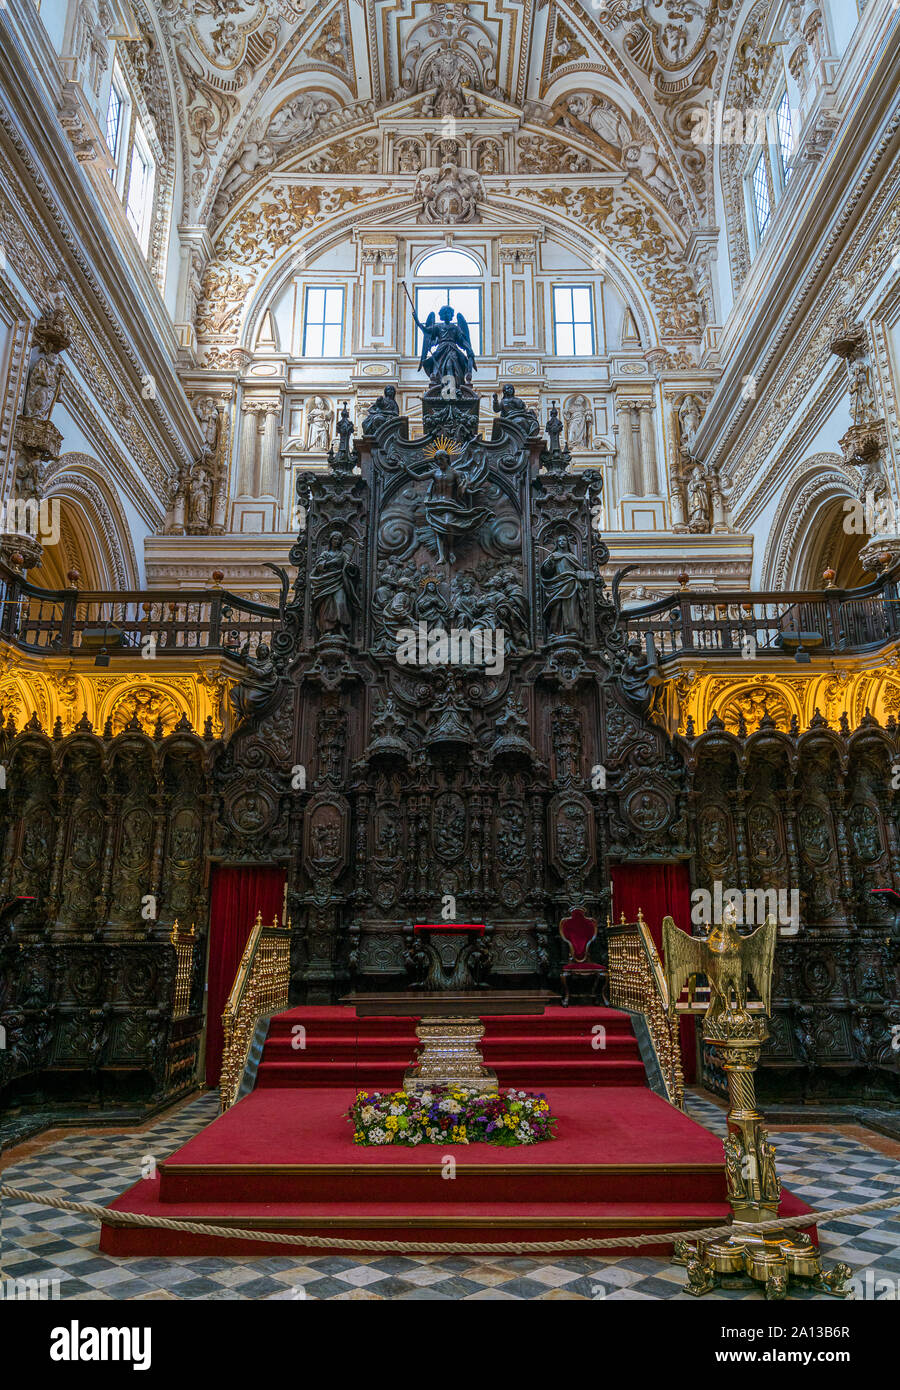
(81, 622)
(822, 621)
(175, 622)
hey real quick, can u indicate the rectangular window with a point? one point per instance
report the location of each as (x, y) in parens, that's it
(141, 178)
(762, 202)
(573, 321)
(464, 299)
(785, 135)
(323, 322)
(114, 114)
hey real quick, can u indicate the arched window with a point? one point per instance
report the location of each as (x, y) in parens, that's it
(446, 277)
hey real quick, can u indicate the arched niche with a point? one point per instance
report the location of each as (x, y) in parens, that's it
(93, 533)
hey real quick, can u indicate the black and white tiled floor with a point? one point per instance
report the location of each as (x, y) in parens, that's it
(59, 1250)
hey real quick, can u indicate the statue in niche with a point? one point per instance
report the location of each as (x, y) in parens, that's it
(488, 160)
(578, 423)
(318, 425)
(698, 500)
(447, 353)
(410, 158)
(690, 413)
(200, 499)
(44, 381)
(333, 584)
(562, 585)
(208, 413)
(862, 396)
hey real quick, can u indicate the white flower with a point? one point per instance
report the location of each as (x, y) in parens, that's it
(377, 1135)
(396, 1109)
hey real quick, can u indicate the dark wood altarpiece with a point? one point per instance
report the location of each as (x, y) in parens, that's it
(427, 780)
(384, 787)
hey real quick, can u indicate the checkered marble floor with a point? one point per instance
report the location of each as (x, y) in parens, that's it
(826, 1168)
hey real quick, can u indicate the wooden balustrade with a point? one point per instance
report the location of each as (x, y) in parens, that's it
(260, 987)
(184, 943)
(637, 984)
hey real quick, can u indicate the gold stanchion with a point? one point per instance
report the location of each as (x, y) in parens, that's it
(726, 959)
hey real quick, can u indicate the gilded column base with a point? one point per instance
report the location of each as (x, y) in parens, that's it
(450, 1055)
(771, 1258)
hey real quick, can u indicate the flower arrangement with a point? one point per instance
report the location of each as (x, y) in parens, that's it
(450, 1115)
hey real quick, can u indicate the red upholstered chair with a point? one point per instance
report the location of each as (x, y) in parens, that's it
(578, 931)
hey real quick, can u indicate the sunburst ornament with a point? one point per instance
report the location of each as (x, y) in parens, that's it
(442, 445)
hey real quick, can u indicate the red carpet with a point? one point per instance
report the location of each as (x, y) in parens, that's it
(625, 1161)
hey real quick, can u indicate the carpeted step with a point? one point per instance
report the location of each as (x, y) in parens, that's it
(401, 1184)
(413, 1222)
(558, 1047)
(369, 1074)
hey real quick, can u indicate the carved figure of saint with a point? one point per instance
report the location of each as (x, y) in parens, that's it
(43, 386)
(698, 500)
(578, 423)
(318, 424)
(862, 397)
(333, 585)
(201, 497)
(562, 581)
(689, 417)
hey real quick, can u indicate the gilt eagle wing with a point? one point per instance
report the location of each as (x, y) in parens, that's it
(757, 959)
(685, 956)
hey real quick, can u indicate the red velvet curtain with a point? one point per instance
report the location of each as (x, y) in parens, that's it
(659, 890)
(236, 895)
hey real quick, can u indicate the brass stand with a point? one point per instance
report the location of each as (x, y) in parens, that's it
(769, 1257)
(450, 1055)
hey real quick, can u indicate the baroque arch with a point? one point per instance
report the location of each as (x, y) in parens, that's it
(818, 485)
(95, 535)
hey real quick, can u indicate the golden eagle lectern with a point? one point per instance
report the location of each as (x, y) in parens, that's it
(736, 1026)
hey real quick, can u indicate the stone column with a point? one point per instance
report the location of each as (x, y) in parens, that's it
(270, 454)
(648, 449)
(628, 469)
(247, 467)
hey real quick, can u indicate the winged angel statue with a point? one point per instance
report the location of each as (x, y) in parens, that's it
(447, 353)
(726, 959)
